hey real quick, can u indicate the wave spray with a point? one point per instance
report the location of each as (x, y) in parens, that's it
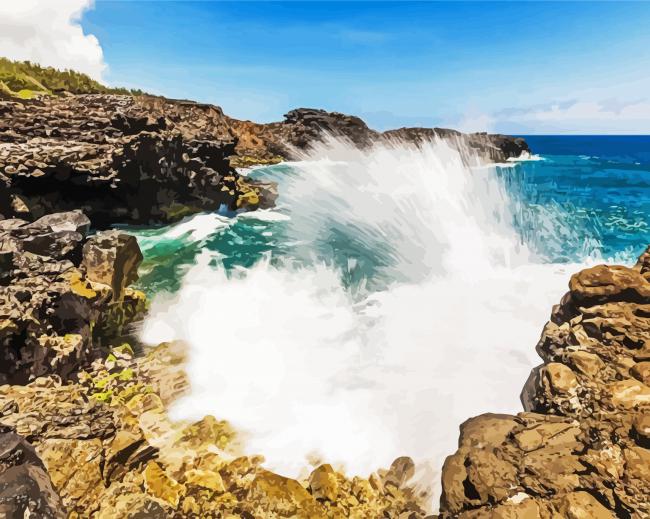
(409, 303)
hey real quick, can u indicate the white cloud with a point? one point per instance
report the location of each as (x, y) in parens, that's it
(49, 33)
(475, 122)
(579, 116)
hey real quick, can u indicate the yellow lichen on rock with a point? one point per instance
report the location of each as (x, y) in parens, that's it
(159, 484)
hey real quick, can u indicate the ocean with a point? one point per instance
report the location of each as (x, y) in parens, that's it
(392, 294)
(579, 196)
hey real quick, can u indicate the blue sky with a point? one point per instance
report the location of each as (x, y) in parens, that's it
(518, 67)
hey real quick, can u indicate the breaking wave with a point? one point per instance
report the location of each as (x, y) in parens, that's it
(409, 301)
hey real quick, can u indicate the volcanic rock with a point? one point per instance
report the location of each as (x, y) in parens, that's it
(303, 127)
(25, 487)
(118, 158)
(581, 448)
(61, 300)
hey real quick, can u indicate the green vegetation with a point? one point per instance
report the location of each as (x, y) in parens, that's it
(26, 80)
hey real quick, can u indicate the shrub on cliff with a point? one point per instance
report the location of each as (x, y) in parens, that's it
(25, 79)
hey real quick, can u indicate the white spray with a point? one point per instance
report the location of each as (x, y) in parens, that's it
(310, 369)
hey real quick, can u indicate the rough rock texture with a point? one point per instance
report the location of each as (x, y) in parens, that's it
(111, 451)
(582, 448)
(261, 143)
(25, 487)
(125, 159)
(63, 296)
(120, 159)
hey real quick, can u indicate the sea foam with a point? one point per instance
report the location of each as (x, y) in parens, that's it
(313, 368)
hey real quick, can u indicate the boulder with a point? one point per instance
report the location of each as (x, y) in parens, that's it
(603, 283)
(588, 427)
(58, 245)
(75, 221)
(323, 483)
(25, 486)
(112, 258)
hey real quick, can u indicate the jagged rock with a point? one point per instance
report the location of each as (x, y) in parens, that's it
(301, 128)
(159, 484)
(589, 425)
(283, 496)
(323, 483)
(205, 479)
(112, 258)
(25, 487)
(49, 306)
(118, 158)
(75, 221)
(579, 505)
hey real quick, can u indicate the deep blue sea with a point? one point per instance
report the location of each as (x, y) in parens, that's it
(601, 182)
(579, 197)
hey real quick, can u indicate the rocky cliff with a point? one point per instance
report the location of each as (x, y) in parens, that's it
(581, 449)
(145, 159)
(120, 159)
(260, 143)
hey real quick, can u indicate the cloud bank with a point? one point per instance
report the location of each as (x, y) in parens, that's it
(50, 33)
(563, 117)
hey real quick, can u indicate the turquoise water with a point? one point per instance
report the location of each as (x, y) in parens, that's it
(583, 197)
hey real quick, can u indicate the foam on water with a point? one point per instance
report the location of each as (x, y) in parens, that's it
(312, 366)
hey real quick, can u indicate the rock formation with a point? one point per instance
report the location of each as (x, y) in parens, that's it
(120, 159)
(261, 143)
(25, 486)
(581, 449)
(63, 296)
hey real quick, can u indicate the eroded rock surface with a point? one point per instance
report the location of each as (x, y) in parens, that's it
(120, 159)
(268, 143)
(25, 487)
(63, 296)
(111, 451)
(581, 449)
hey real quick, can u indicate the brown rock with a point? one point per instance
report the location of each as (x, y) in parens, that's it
(205, 479)
(275, 494)
(581, 505)
(323, 483)
(112, 258)
(604, 283)
(561, 378)
(162, 486)
(641, 371)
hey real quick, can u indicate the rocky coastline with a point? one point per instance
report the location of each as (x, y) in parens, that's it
(144, 159)
(581, 448)
(84, 430)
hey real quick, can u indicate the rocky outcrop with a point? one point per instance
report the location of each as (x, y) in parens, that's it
(120, 159)
(268, 143)
(582, 446)
(63, 296)
(25, 487)
(144, 159)
(485, 146)
(112, 451)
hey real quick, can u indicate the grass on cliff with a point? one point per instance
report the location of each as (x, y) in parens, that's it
(24, 80)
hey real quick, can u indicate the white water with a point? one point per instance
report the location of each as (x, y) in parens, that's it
(312, 370)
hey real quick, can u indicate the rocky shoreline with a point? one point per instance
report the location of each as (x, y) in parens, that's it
(84, 430)
(582, 447)
(144, 159)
